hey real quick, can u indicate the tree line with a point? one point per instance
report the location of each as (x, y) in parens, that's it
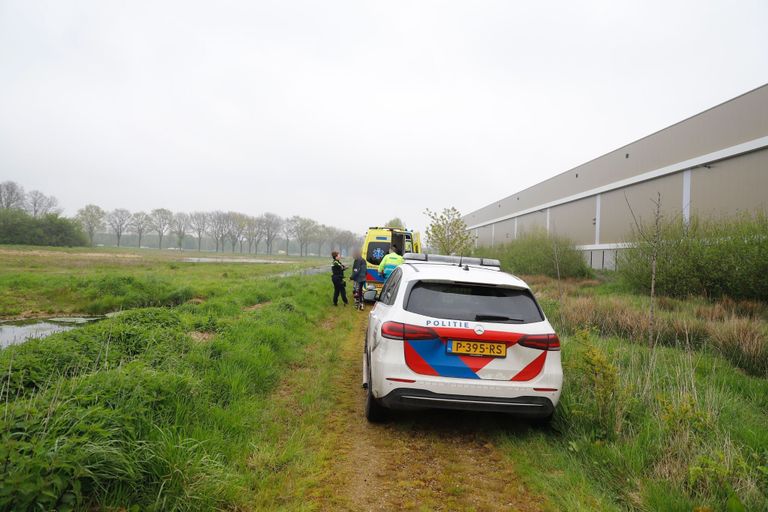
(228, 230)
(36, 219)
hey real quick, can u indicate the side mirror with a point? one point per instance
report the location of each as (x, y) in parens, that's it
(369, 295)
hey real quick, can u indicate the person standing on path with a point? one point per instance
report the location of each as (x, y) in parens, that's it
(337, 277)
(358, 277)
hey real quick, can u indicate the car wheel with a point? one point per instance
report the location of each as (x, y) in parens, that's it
(374, 411)
(544, 421)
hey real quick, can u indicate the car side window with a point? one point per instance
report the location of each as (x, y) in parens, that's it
(389, 292)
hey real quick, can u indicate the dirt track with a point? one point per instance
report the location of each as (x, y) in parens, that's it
(417, 461)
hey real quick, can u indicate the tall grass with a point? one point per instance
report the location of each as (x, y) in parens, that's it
(539, 253)
(678, 426)
(713, 258)
(663, 429)
(133, 412)
(671, 427)
(736, 329)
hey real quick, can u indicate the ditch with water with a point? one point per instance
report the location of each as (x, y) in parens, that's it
(15, 332)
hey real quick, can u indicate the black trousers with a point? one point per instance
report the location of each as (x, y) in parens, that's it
(339, 288)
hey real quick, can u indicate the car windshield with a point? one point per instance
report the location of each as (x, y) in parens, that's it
(460, 301)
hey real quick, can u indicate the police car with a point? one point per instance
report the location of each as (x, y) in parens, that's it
(458, 333)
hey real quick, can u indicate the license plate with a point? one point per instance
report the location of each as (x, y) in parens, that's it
(477, 348)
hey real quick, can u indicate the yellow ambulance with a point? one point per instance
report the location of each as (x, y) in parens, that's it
(377, 242)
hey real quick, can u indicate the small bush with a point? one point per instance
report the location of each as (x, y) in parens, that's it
(600, 405)
(714, 258)
(538, 253)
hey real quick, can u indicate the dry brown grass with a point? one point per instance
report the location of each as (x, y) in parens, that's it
(201, 337)
(743, 340)
(738, 329)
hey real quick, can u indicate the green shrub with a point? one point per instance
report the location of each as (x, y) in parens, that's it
(714, 258)
(19, 227)
(601, 405)
(538, 253)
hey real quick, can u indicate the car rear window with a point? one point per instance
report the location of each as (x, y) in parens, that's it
(459, 301)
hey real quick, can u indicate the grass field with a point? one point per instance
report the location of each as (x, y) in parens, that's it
(38, 281)
(156, 408)
(243, 393)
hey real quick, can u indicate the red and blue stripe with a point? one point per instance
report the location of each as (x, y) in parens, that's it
(430, 357)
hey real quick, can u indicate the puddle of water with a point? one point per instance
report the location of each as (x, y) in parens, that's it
(16, 332)
(230, 260)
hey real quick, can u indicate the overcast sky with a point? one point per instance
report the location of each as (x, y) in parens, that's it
(349, 112)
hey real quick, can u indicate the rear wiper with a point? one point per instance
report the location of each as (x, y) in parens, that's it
(498, 318)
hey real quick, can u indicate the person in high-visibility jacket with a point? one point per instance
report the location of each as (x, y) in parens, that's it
(390, 262)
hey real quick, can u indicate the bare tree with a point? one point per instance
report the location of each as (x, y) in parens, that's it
(321, 237)
(161, 221)
(653, 239)
(180, 227)
(11, 195)
(236, 224)
(217, 228)
(39, 204)
(254, 232)
(91, 217)
(346, 240)
(119, 220)
(198, 222)
(303, 229)
(289, 229)
(333, 235)
(140, 223)
(272, 224)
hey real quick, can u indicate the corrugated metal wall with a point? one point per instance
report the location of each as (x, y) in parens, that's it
(713, 164)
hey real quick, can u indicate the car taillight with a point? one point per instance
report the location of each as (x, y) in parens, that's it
(392, 330)
(540, 341)
(401, 331)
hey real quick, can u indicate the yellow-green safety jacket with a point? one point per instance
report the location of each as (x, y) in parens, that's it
(389, 263)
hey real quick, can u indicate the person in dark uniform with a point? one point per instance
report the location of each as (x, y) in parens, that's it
(358, 278)
(337, 276)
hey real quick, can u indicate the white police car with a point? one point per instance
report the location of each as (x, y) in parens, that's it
(458, 333)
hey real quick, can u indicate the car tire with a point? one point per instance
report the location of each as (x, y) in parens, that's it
(544, 421)
(374, 411)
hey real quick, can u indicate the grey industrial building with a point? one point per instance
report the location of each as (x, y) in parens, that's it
(712, 164)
